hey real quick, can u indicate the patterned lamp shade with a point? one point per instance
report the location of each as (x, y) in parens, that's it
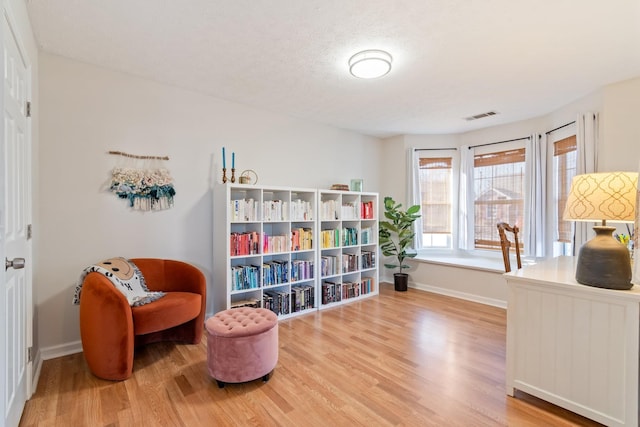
(607, 196)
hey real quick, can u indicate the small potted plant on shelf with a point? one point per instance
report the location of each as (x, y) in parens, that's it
(396, 237)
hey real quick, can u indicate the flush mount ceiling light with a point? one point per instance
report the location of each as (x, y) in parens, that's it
(370, 64)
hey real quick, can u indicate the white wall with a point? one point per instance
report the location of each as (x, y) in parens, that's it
(620, 146)
(87, 111)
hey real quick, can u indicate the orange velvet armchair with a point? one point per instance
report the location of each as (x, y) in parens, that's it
(110, 329)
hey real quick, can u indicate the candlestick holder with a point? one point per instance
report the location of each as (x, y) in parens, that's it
(224, 175)
(233, 174)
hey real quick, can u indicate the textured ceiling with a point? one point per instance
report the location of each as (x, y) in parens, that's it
(452, 58)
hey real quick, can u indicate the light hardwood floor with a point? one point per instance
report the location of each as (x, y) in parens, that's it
(398, 359)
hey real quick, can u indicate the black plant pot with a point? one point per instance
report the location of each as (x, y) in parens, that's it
(400, 281)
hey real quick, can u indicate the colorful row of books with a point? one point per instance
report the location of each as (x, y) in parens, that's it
(301, 298)
(301, 270)
(300, 239)
(330, 238)
(247, 243)
(349, 236)
(275, 273)
(245, 277)
(336, 291)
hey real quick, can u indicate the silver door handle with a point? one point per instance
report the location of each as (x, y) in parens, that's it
(17, 263)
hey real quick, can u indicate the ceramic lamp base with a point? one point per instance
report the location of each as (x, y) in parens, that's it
(604, 262)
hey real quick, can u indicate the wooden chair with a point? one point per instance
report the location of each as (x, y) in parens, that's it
(503, 228)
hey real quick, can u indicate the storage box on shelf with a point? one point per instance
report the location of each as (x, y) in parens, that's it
(263, 248)
(347, 254)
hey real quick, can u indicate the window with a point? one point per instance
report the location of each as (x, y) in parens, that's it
(435, 176)
(498, 185)
(564, 169)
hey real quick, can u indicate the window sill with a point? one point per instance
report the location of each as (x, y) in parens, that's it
(482, 261)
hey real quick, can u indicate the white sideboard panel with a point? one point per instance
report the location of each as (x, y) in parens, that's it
(573, 345)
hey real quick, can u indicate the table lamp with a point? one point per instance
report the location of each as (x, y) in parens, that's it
(603, 262)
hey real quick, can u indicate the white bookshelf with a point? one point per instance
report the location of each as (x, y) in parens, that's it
(348, 241)
(246, 269)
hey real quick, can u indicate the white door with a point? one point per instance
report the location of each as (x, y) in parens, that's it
(15, 215)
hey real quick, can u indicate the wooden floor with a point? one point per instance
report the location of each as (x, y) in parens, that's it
(398, 359)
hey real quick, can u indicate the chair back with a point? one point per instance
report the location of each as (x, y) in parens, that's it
(503, 228)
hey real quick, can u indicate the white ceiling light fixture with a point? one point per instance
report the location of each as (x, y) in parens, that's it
(370, 64)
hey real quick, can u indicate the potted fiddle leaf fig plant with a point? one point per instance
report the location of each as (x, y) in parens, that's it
(396, 238)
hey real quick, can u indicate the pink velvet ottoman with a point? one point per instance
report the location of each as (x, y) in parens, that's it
(242, 344)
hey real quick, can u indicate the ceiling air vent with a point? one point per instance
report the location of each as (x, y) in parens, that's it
(480, 116)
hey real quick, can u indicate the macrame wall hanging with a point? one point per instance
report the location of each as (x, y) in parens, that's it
(143, 181)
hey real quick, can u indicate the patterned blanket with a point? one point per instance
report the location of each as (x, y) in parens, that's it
(125, 276)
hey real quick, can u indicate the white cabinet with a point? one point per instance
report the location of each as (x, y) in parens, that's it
(279, 248)
(347, 246)
(263, 248)
(573, 345)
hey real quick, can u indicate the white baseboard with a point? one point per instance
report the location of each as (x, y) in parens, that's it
(51, 353)
(61, 350)
(461, 295)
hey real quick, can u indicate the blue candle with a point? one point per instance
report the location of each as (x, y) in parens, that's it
(233, 160)
(224, 159)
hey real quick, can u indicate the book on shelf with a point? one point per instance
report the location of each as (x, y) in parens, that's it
(252, 302)
(349, 236)
(350, 263)
(274, 244)
(301, 210)
(243, 210)
(244, 243)
(330, 238)
(302, 297)
(348, 211)
(245, 277)
(340, 187)
(276, 301)
(275, 272)
(366, 210)
(331, 292)
(366, 285)
(275, 210)
(301, 270)
(367, 235)
(329, 265)
(350, 290)
(329, 210)
(301, 239)
(368, 259)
